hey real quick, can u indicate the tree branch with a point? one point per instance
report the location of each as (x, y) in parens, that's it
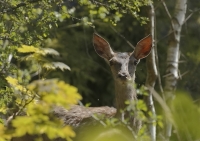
(169, 15)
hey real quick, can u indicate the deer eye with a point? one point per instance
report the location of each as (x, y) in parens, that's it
(112, 63)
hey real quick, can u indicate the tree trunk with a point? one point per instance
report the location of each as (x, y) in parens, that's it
(173, 54)
(151, 75)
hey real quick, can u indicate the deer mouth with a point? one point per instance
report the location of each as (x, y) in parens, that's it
(124, 79)
(124, 76)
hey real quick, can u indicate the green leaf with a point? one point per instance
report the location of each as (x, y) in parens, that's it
(55, 65)
(50, 51)
(61, 66)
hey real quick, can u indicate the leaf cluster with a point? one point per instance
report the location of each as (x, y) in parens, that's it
(25, 104)
(48, 93)
(113, 10)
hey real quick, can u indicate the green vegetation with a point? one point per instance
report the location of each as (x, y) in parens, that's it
(47, 60)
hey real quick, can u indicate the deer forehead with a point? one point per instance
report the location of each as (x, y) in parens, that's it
(125, 58)
(121, 56)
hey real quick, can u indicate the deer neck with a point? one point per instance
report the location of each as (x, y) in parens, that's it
(124, 92)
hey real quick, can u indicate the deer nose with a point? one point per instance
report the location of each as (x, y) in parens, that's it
(123, 75)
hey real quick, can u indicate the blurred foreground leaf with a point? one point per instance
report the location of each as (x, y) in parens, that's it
(186, 116)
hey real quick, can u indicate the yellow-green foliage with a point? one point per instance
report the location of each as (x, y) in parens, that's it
(109, 133)
(37, 55)
(36, 100)
(186, 117)
(14, 82)
(46, 94)
(3, 136)
(113, 10)
(55, 92)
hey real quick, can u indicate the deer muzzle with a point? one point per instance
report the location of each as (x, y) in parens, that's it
(124, 76)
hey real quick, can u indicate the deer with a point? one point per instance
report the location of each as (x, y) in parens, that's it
(123, 66)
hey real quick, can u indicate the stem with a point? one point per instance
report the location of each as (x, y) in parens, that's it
(151, 76)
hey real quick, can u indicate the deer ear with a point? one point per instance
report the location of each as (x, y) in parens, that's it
(102, 47)
(143, 48)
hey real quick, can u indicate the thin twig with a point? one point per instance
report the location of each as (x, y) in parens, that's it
(166, 9)
(18, 112)
(28, 102)
(169, 15)
(184, 73)
(165, 36)
(188, 17)
(122, 37)
(86, 45)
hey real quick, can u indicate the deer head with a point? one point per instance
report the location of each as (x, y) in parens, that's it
(122, 64)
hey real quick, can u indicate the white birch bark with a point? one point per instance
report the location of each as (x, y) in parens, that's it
(151, 76)
(171, 77)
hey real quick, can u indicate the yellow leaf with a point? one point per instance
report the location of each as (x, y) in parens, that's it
(67, 132)
(27, 49)
(3, 110)
(12, 80)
